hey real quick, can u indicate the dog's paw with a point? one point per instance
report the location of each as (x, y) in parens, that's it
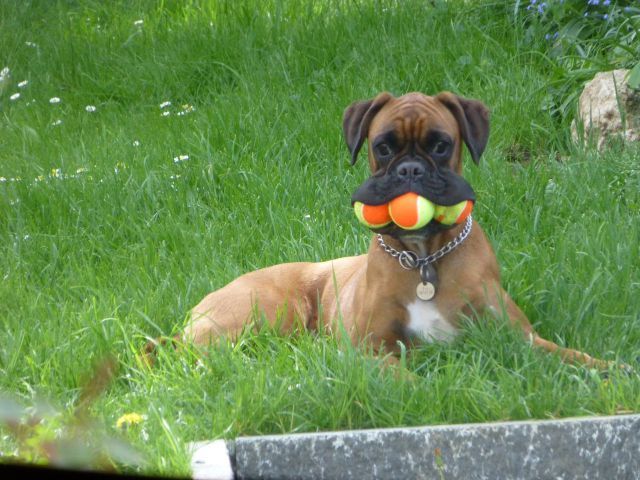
(613, 367)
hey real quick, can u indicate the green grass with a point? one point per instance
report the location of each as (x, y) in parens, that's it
(94, 263)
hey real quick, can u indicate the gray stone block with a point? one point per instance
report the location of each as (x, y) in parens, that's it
(211, 460)
(580, 448)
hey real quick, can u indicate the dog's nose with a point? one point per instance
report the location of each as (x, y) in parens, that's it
(410, 170)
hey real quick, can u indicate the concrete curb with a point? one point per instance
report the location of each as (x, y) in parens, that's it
(212, 460)
(590, 447)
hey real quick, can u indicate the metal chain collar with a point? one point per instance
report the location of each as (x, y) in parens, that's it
(409, 260)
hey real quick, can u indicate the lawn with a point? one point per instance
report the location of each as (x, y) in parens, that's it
(195, 141)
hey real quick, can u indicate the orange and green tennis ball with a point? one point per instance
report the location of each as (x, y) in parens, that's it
(373, 216)
(411, 211)
(453, 214)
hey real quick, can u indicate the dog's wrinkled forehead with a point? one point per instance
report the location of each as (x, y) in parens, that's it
(411, 117)
(415, 114)
(411, 121)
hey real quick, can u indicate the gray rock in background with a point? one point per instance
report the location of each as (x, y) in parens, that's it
(607, 108)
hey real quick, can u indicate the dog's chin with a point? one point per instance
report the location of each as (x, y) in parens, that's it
(411, 235)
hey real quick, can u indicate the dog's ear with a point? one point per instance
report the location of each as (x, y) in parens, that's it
(357, 119)
(473, 118)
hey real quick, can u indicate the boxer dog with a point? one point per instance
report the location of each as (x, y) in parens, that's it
(415, 143)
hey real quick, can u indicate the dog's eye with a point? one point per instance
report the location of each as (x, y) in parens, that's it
(383, 150)
(440, 148)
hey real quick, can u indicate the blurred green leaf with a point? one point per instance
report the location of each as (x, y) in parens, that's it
(634, 77)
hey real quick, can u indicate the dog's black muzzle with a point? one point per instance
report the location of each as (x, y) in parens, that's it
(442, 186)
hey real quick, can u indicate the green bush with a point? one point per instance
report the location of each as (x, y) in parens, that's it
(579, 39)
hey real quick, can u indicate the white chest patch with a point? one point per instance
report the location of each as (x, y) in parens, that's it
(427, 323)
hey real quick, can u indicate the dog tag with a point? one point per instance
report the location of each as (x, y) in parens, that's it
(425, 291)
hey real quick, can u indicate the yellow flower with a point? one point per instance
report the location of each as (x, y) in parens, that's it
(129, 419)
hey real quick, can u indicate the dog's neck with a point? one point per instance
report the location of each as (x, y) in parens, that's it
(421, 246)
(426, 245)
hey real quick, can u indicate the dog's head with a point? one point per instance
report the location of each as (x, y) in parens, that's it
(415, 145)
